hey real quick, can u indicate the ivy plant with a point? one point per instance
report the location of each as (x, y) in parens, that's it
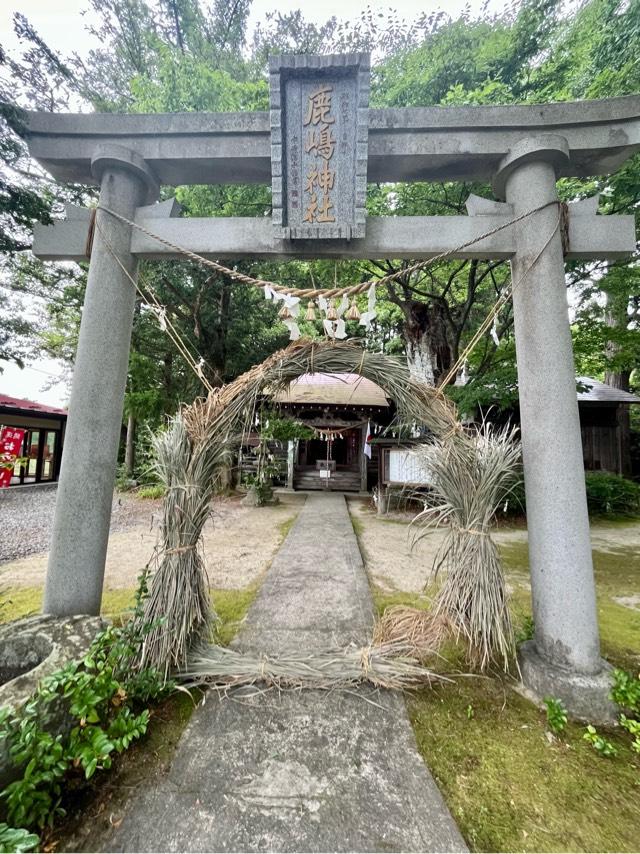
(103, 696)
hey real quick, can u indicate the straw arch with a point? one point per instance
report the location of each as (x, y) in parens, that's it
(217, 417)
(191, 453)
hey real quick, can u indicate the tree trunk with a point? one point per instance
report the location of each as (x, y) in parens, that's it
(615, 317)
(130, 448)
(429, 350)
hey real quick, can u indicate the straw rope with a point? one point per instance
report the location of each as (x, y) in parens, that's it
(171, 331)
(351, 290)
(504, 297)
(314, 293)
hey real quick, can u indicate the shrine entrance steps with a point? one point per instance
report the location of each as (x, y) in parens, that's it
(300, 770)
(342, 480)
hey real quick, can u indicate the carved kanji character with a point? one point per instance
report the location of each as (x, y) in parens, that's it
(319, 107)
(321, 142)
(310, 213)
(323, 211)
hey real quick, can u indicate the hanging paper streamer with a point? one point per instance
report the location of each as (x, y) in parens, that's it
(335, 327)
(369, 315)
(494, 331)
(340, 329)
(294, 329)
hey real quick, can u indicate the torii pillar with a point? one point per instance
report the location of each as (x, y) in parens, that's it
(83, 507)
(563, 660)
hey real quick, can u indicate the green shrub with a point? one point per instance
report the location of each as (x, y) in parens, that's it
(612, 495)
(600, 744)
(556, 715)
(105, 695)
(16, 839)
(626, 690)
(155, 490)
(607, 495)
(124, 482)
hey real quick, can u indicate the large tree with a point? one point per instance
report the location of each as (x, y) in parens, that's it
(183, 55)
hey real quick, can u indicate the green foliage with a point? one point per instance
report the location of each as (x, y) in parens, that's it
(633, 728)
(607, 495)
(556, 715)
(156, 490)
(626, 690)
(123, 481)
(279, 428)
(104, 695)
(612, 495)
(599, 743)
(626, 693)
(525, 630)
(16, 839)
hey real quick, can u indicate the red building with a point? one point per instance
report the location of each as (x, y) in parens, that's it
(44, 428)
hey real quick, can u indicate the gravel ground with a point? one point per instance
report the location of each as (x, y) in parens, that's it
(393, 565)
(26, 515)
(238, 542)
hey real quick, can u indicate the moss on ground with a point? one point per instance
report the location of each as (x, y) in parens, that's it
(231, 608)
(284, 527)
(510, 785)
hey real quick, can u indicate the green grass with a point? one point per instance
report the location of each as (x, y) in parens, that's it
(24, 601)
(231, 606)
(510, 787)
(617, 573)
(153, 490)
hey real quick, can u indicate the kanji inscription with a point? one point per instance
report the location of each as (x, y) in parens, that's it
(319, 127)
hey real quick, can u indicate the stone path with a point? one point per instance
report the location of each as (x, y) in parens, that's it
(299, 771)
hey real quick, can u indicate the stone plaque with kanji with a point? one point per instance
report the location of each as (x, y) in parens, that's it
(319, 132)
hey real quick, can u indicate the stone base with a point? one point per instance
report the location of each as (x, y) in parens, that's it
(585, 696)
(34, 648)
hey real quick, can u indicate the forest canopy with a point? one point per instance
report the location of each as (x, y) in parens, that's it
(198, 55)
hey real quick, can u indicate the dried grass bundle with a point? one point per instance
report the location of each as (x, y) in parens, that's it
(178, 609)
(389, 666)
(472, 474)
(420, 631)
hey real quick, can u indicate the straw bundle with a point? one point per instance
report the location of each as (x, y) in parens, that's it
(420, 631)
(389, 666)
(471, 476)
(177, 611)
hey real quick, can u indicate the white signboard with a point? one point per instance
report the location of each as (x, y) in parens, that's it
(405, 467)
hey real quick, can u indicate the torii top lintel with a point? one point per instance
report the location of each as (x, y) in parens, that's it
(407, 144)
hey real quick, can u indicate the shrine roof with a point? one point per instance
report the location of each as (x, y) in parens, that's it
(20, 404)
(333, 389)
(597, 392)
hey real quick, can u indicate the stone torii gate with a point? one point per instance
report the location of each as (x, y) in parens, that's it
(521, 150)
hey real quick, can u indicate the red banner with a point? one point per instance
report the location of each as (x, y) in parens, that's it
(11, 440)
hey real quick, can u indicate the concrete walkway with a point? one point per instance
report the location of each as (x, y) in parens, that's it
(299, 771)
